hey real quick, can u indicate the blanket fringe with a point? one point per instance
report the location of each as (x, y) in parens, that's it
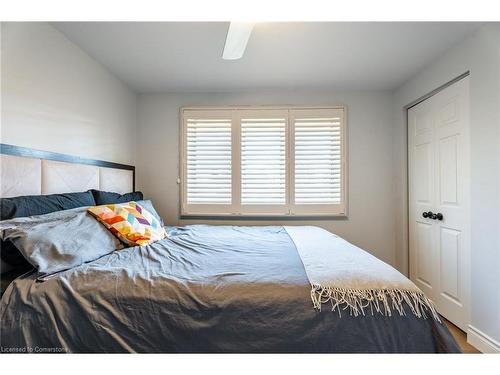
(382, 301)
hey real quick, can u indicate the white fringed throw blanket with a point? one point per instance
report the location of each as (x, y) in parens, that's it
(350, 278)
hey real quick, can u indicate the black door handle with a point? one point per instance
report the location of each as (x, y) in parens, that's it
(428, 214)
(432, 215)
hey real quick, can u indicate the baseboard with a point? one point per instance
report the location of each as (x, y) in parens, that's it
(481, 341)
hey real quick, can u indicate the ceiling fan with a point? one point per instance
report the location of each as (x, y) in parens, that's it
(236, 40)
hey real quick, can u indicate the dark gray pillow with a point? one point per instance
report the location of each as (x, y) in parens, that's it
(30, 205)
(107, 197)
(59, 240)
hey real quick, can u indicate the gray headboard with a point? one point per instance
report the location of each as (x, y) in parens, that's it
(25, 171)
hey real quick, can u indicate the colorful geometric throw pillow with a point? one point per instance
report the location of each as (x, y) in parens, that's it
(130, 222)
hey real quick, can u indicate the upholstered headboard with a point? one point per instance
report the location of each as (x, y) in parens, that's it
(26, 171)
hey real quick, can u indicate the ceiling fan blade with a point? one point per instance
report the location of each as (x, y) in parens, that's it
(236, 40)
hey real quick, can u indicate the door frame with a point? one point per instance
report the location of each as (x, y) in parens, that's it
(406, 192)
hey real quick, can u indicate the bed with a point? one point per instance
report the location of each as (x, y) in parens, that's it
(224, 289)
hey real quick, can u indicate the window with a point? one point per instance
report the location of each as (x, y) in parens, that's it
(263, 161)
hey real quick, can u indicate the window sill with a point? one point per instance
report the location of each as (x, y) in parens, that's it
(264, 217)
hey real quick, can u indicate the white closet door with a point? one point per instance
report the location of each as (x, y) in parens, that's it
(438, 158)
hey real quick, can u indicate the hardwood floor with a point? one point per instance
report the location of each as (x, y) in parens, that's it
(461, 338)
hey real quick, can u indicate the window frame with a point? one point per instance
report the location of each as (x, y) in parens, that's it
(248, 212)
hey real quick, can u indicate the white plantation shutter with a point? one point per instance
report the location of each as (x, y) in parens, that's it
(208, 157)
(284, 161)
(263, 159)
(318, 160)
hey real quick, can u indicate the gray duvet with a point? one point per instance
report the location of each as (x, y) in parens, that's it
(203, 289)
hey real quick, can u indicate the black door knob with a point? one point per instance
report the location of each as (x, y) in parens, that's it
(432, 215)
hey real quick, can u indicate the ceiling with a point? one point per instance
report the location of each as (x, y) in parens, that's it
(186, 56)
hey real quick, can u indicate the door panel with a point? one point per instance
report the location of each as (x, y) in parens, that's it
(424, 256)
(438, 169)
(423, 168)
(450, 267)
(449, 112)
(448, 170)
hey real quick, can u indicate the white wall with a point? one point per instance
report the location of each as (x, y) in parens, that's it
(57, 98)
(480, 54)
(370, 224)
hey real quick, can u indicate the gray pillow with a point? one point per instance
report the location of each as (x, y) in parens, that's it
(59, 240)
(148, 205)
